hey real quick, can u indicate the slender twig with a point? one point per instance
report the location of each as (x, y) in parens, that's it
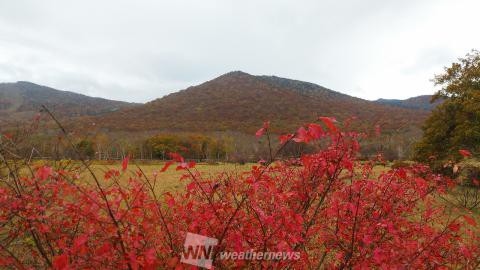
(159, 209)
(97, 182)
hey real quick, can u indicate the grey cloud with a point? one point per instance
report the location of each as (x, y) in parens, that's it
(138, 51)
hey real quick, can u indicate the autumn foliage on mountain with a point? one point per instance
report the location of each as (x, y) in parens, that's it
(328, 206)
(20, 101)
(225, 109)
(239, 101)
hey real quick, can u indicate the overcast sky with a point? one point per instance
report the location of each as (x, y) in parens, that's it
(141, 50)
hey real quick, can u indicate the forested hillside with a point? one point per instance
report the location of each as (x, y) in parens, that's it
(240, 101)
(22, 100)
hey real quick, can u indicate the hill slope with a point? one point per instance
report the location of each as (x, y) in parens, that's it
(241, 102)
(420, 102)
(21, 100)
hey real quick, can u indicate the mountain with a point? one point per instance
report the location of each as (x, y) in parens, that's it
(22, 100)
(419, 103)
(241, 102)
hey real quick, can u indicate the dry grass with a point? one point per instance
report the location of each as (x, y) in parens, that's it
(169, 180)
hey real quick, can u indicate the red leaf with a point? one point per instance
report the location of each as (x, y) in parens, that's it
(367, 239)
(465, 153)
(170, 201)
(133, 260)
(284, 138)
(60, 262)
(470, 220)
(421, 183)
(80, 241)
(191, 186)
(260, 132)
(8, 136)
(177, 157)
(185, 165)
(150, 256)
(302, 135)
(315, 131)
(106, 247)
(172, 262)
(168, 164)
(125, 163)
(454, 227)
(328, 121)
(378, 256)
(44, 172)
(43, 228)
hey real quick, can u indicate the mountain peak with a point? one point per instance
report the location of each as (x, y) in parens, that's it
(234, 74)
(237, 73)
(237, 101)
(26, 82)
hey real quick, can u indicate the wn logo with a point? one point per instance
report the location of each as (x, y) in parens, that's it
(198, 250)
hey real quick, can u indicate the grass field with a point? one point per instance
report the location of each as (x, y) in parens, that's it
(170, 179)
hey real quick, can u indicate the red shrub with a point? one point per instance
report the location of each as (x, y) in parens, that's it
(332, 209)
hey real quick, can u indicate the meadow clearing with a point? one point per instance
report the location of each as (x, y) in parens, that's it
(170, 180)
